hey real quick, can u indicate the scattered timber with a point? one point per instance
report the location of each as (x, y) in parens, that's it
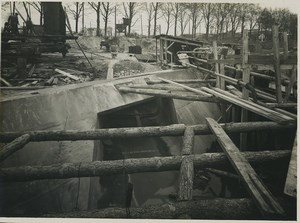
(153, 164)
(266, 203)
(67, 74)
(5, 82)
(171, 130)
(251, 106)
(14, 146)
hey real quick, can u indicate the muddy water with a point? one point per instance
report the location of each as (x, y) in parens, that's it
(148, 188)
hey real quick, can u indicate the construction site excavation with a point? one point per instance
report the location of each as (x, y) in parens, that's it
(148, 110)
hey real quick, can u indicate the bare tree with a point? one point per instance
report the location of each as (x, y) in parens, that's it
(253, 16)
(38, 7)
(167, 15)
(195, 15)
(156, 6)
(149, 8)
(244, 10)
(76, 13)
(175, 13)
(207, 12)
(183, 17)
(130, 10)
(234, 13)
(221, 13)
(97, 8)
(106, 11)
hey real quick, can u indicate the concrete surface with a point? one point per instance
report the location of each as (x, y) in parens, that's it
(74, 107)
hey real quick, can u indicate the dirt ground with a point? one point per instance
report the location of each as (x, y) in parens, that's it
(96, 64)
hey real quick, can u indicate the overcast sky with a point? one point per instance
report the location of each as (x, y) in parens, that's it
(90, 15)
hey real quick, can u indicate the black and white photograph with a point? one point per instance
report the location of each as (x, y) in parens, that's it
(148, 110)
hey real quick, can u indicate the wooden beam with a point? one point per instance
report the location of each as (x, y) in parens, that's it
(186, 176)
(186, 179)
(277, 63)
(245, 92)
(5, 82)
(188, 141)
(290, 187)
(139, 165)
(166, 87)
(14, 146)
(285, 46)
(251, 106)
(187, 81)
(266, 203)
(170, 130)
(67, 74)
(167, 94)
(291, 83)
(215, 53)
(186, 87)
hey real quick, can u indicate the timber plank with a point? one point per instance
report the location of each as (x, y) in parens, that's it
(267, 204)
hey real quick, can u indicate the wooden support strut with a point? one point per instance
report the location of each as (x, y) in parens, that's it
(14, 146)
(267, 204)
(186, 176)
(170, 130)
(245, 92)
(277, 63)
(153, 164)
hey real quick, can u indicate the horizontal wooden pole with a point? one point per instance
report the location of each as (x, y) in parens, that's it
(220, 208)
(14, 146)
(153, 164)
(186, 87)
(167, 94)
(170, 130)
(190, 81)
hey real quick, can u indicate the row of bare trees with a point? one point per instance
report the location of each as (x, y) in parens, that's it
(216, 18)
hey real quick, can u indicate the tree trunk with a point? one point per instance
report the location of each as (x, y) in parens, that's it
(139, 165)
(149, 27)
(155, 18)
(105, 25)
(76, 25)
(98, 21)
(207, 29)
